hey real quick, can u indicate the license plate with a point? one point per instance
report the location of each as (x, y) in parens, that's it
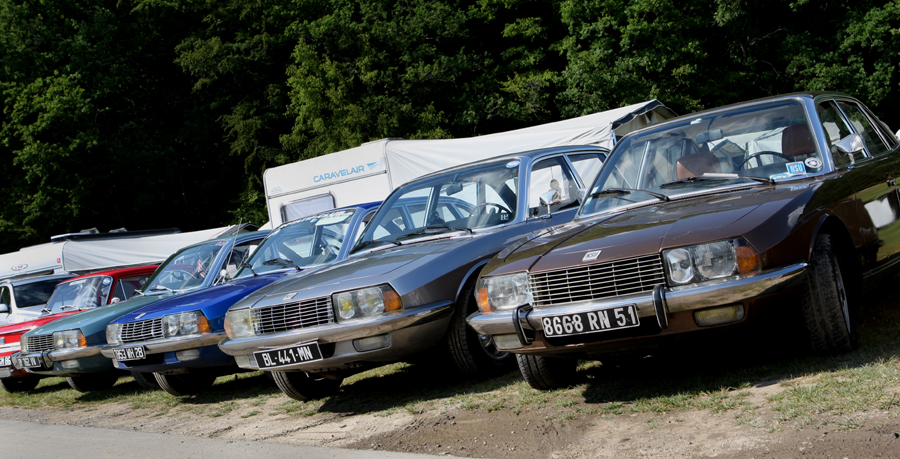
(303, 353)
(129, 353)
(6, 361)
(591, 322)
(31, 362)
(5, 373)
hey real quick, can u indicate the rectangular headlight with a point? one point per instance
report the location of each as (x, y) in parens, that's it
(503, 292)
(112, 333)
(713, 260)
(69, 339)
(185, 323)
(239, 324)
(366, 302)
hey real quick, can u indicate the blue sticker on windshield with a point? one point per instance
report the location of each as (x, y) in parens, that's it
(796, 168)
(106, 281)
(512, 164)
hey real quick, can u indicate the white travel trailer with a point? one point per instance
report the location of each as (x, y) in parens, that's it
(372, 170)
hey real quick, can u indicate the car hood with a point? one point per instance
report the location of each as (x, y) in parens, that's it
(212, 301)
(23, 327)
(93, 322)
(646, 230)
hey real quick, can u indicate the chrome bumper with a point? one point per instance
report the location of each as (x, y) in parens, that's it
(59, 355)
(175, 343)
(336, 332)
(719, 292)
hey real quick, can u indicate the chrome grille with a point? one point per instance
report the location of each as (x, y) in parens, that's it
(144, 330)
(601, 280)
(290, 316)
(37, 343)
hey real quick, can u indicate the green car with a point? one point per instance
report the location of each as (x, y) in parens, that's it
(70, 346)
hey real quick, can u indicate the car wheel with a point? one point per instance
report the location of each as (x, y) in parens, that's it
(145, 379)
(826, 306)
(547, 373)
(185, 383)
(92, 382)
(303, 386)
(22, 384)
(473, 355)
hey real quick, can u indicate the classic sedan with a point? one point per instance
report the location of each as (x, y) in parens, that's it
(706, 221)
(177, 338)
(408, 283)
(71, 346)
(70, 297)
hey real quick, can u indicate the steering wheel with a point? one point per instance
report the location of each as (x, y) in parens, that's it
(482, 208)
(760, 153)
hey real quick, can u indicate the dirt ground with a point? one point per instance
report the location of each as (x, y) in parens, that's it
(539, 433)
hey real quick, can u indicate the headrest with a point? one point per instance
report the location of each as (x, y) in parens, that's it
(797, 140)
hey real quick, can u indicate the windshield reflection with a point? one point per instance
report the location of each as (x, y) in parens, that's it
(90, 292)
(738, 147)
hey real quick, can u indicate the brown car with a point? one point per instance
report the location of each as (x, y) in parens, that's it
(702, 222)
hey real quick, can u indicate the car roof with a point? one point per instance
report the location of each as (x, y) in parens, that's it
(530, 154)
(39, 278)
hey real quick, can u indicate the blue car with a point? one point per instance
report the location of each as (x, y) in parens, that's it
(71, 346)
(177, 338)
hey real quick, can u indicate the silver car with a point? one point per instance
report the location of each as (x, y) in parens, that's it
(408, 285)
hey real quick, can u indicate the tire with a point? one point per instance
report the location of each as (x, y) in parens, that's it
(22, 384)
(146, 380)
(472, 356)
(185, 383)
(92, 382)
(546, 373)
(826, 302)
(303, 386)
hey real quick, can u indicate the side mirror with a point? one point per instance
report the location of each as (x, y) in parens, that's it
(850, 145)
(549, 198)
(4, 308)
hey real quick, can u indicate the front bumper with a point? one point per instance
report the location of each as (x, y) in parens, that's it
(410, 331)
(657, 306)
(209, 354)
(88, 358)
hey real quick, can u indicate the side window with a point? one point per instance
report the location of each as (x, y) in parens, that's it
(835, 129)
(239, 255)
(5, 296)
(393, 223)
(126, 287)
(863, 127)
(551, 174)
(587, 166)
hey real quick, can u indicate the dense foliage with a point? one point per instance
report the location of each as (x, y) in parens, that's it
(160, 113)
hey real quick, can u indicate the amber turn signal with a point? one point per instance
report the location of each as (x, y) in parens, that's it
(391, 301)
(747, 259)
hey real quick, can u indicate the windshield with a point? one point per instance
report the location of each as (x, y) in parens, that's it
(744, 145)
(186, 269)
(34, 293)
(89, 292)
(309, 241)
(479, 197)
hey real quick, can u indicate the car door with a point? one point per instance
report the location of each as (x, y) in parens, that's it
(871, 174)
(552, 174)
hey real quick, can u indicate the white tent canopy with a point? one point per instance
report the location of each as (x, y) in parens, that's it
(372, 170)
(83, 255)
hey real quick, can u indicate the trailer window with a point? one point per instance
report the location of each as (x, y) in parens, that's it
(306, 206)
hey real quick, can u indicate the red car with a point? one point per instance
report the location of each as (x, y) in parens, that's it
(72, 296)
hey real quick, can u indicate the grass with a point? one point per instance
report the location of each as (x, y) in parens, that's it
(718, 375)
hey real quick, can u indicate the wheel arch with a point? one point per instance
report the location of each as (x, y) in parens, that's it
(470, 276)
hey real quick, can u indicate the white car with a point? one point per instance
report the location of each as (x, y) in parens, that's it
(22, 299)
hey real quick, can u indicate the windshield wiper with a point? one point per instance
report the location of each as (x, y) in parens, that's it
(433, 230)
(67, 306)
(45, 310)
(716, 176)
(368, 243)
(247, 265)
(138, 291)
(656, 195)
(281, 262)
(162, 287)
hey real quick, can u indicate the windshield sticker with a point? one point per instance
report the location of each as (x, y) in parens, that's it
(796, 168)
(813, 163)
(512, 164)
(697, 121)
(106, 281)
